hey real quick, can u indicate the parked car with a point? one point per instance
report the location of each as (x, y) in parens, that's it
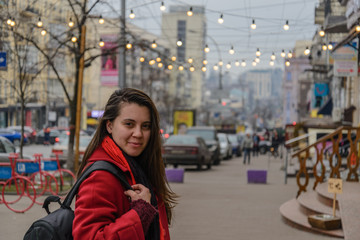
(61, 146)
(209, 134)
(186, 150)
(235, 144)
(7, 148)
(225, 146)
(13, 136)
(29, 132)
(54, 136)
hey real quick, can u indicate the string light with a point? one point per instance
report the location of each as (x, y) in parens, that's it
(287, 63)
(216, 67)
(273, 57)
(237, 63)
(73, 39)
(142, 59)
(205, 62)
(192, 69)
(162, 7)
(181, 68)
(170, 67)
(39, 23)
(101, 43)
(282, 54)
(243, 63)
(132, 14)
(179, 43)
(221, 19)
(158, 59)
(257, 59)
(9, 21)
(160, 64)
(253, 25)
(330, 46)
(271, 63)
(322, 32)
(286, 25)
(232, 51)
(324, 47)
(71, 23)
(101, 20)
(254, 63)
(221, 63)
(43, 32)
(203, 68)
(154, 45)
(128, 45)
(173, 58)
(357, 28)
(258, 53)
(228, 66)
(190, 12)
(206, 49)
(307, 51)
(190, 60)
(13, 23)
(152, 62)
(289, 54)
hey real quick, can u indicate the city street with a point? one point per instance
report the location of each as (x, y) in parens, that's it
(214, 204)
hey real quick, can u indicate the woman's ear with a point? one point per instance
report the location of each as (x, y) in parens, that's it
(109, 126)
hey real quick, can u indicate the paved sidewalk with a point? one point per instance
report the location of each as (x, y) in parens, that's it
(214, 204)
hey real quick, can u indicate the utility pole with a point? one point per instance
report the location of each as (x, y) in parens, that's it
(122, 53)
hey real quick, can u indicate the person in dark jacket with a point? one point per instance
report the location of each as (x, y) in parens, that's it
(128, 135)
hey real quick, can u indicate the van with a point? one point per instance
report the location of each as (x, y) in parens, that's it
(209, 134)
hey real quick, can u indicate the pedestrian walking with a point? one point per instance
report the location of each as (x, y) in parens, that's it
(247, 146)
(46, 136)
(128, 136)
(256, 140)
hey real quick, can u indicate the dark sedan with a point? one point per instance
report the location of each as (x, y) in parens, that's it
(13, 136)
(186, 150)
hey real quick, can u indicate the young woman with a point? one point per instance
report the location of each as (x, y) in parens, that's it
(128, 135)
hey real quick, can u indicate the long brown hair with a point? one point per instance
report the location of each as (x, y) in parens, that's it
(152, 162)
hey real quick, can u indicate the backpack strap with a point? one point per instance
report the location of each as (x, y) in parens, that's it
(98, 165)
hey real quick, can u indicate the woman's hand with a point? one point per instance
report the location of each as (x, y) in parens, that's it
(139, 192)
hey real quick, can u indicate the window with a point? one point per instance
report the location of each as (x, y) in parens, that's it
(181, 34)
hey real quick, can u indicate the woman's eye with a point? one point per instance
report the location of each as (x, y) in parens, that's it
(146, 126)
(129, 124)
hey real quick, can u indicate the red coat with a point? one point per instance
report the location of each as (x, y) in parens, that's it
(102, 211)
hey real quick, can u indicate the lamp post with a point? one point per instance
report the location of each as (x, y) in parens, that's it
(122, 53)
(220, 66)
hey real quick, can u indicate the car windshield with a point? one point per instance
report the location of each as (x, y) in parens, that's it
(181, 139)
(222, 137)
(207, 135)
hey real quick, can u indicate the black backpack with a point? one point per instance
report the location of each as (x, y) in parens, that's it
(57, 225)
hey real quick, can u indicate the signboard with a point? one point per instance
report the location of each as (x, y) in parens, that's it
(345, 61)
(109, 61)
(335, 185)
(3, 60)
(182, 120)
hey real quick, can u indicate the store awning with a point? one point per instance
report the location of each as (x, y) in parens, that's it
(352, 34)
(326, 109)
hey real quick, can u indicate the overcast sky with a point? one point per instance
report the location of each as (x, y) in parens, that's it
(269, 36)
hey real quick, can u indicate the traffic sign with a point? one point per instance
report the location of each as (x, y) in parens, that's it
(3, 63)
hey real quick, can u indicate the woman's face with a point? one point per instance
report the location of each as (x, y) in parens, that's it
(131, 129)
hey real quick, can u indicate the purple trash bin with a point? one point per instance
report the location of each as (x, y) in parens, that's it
(256, 176)
(175, 174)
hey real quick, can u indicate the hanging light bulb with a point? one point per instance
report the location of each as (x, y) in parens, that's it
(258, 53)
(142, 59)
(43, 32)
(170, 67)
(273, 57)
(154, 45)
(181, 68)
(101, 20)
(287, 63)
(132, 14)
(237, 63)
(257, 59)
(12, 23)
(173, 58)
(39, 23)
(206, 49)
(8, 22)
(216, 67)
(190, 60)
(192, 68)
(73, 38)
(101, 43)
(322, 32)
(152, 62)
(232, 51)
(253, 25)
(221, 63)
(243, 63)
(128, 45)
(228, 66)
(254, 63)
(160, 64)
(71, 23)
(330, 46)
(221, 19)
(271, 63)
(158, 59)
(289, 54)
(205, 62)
(286, 25)
(203, 68)
(307, 51)
(324, 47)
(162, 7)
(179, 42)
(190, 12)
(282, 54)
(357, 28)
